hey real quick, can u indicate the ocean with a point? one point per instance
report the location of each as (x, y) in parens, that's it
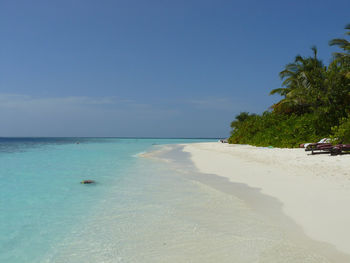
(43, 204)
(139, 210)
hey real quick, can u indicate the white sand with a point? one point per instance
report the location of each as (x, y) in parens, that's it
(314, 189)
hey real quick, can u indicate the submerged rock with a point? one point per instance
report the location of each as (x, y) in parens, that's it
(87, 182)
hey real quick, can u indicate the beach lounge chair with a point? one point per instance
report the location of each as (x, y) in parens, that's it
(339, 149)
(318, 147)
(308, 146)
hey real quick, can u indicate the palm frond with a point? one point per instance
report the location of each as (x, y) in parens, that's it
(340, 42)
(278, 91)
(314, 50)
(340, 55)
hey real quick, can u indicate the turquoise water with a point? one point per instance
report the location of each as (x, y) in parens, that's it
(41, 200)
(141, 209)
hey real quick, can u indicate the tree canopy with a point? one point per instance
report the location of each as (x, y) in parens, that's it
(315, 103)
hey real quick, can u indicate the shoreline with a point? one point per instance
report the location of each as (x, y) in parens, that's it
(314, 189)
(273, 183)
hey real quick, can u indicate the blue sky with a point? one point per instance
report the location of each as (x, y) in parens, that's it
(150, 68)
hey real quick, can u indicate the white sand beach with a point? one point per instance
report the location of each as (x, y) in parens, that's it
(314, 190)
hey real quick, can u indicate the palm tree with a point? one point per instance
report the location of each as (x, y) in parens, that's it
(343, 58)
(343, 44)
(302, 81)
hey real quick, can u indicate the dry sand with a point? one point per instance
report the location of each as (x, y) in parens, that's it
(314, 189)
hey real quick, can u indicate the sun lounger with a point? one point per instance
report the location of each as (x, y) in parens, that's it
(340, 148)
(318, 147)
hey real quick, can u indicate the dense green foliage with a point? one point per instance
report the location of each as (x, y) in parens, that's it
(315, 104)
(341, 133)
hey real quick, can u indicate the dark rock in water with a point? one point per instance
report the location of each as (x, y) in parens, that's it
(87, 182)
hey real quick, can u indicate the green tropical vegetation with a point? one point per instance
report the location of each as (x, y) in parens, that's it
(315, 103)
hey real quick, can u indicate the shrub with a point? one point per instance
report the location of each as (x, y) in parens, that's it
(278, 130)
(341, 133)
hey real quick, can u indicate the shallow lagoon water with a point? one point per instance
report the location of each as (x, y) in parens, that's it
(41, 199)
(140, 210)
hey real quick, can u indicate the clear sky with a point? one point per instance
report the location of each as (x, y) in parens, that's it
(180, 68)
